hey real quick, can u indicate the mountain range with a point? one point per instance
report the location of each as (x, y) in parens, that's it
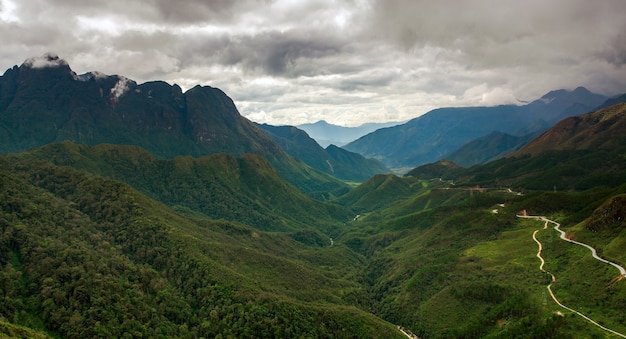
(327, 134)
(440, 132)
(112, 239)
(578, 153)
(44, 101)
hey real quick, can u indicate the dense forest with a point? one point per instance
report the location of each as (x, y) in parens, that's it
(85, 256)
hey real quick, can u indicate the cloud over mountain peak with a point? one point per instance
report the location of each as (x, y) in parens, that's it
(48, 60)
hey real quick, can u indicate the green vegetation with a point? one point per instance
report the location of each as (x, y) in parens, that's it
(85, 256)
(560, 170)
(109, 241)
(220, 186)
(333, 160)
(462, 271)
(11, 331)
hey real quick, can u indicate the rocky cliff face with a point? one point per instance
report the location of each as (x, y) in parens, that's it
(43, 101)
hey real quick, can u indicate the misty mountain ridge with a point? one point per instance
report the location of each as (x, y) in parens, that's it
(577, 153)
(440, 132)
(329, 134)
(497, 144)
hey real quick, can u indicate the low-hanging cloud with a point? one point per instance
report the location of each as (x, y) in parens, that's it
(48, 60)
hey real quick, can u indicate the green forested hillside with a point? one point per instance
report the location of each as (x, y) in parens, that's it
(382, 190)
(85, 256)
(333, 160)
(110, 241)
(221, 186)
(459, 269)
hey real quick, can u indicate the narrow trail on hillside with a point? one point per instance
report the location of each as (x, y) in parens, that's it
(549, 287)
(407, 333)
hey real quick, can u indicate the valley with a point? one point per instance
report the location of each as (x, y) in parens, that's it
(162, 213)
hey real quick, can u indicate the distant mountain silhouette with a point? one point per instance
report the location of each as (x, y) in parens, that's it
(440, 132)
(613, 101)
(578, 153)
(328, 134)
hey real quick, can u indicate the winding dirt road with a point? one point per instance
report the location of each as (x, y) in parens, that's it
(593, 252)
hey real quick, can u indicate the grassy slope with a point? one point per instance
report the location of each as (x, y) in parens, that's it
(453, 268)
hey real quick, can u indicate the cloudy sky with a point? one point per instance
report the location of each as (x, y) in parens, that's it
(345, 61)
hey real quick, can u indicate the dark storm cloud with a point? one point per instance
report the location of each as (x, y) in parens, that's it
(497, 33)
(288, 54)
(279, 53)
(615, 53)
(137, 40)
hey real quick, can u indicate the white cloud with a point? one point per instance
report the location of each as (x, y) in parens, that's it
(345, 61)
(122, 86)
(7, 11)
(48, 60)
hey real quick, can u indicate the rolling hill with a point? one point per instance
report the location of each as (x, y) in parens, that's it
(333, 160)
(602, 129)
(490, 147)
